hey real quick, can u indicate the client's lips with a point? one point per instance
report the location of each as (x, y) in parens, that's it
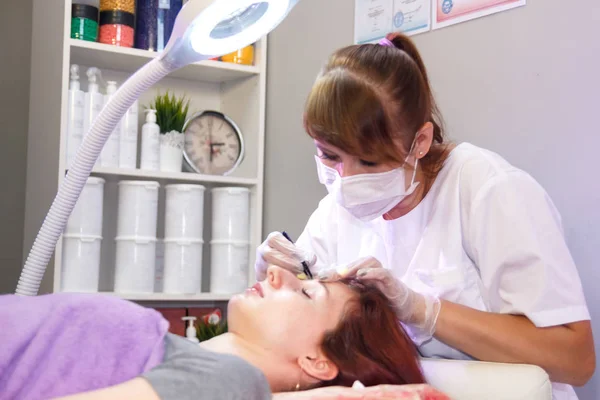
(258, 289)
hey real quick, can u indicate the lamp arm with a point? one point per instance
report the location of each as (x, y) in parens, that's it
(76, 178)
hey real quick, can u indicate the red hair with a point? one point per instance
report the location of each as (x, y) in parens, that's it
(369, 344)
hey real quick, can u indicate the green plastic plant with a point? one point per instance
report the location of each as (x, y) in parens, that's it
(171, 112)
(208, 331)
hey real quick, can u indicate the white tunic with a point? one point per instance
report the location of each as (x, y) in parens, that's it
(486, 235)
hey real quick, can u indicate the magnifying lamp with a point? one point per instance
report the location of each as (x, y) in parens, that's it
(203, 29)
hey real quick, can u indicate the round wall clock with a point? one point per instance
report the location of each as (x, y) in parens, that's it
(213, 143)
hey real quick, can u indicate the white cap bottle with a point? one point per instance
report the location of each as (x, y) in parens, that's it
(94, 101)
(75, 115)
(150, 158)
(129, 138)
(109, 158)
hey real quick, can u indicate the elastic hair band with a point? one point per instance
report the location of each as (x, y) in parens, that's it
(386, 42)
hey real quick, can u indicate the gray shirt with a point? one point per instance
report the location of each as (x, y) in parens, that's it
(190, 372)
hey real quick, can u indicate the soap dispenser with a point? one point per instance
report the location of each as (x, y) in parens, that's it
(190, 332)
(109, 157)
(150, 159)
(75, 111)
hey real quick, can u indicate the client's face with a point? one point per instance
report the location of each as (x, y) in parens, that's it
(288, 315)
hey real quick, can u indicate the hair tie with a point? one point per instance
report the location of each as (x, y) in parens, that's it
(386, 42)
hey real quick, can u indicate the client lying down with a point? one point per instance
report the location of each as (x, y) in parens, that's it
(284, 335)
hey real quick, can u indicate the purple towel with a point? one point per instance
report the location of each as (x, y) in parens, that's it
(60, 344)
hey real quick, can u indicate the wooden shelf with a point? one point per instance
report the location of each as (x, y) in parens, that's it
(159, 297)
(127, 59)
(175, 176)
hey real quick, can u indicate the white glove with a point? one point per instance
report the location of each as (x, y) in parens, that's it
(417, 310)
(279, 251)
(337, 272)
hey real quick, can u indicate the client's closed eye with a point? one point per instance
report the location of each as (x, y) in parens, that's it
(305, 292)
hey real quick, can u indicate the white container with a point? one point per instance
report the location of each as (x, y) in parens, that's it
(150, 157)
(171, 151)
(229, 266)
(184, 215)
(138, 208)
(183, 266)
(86, 218)
(135, 264)
(231, 214)
(75, 115)
(80, 263)
(171, 158)
(129, 138)
(109, 157)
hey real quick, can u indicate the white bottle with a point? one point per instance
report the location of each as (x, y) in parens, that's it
(75, 115)
(110, 153)
(150, 143)
(190, 331)
(94, 101)
(129, 138)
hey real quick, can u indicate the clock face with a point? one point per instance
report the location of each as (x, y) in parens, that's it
(213, 144)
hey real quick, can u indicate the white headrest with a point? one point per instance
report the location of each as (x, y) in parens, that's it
(476, 380)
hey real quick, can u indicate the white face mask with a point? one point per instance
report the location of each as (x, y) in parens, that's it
(367, 196)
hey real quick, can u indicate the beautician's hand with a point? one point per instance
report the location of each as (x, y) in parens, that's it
(336, 272)
(418, 310)
(277, 250)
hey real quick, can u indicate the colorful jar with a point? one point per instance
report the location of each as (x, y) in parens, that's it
(244, 56)
(154, 23)
(116, 28)
(84, 22)
(121, 5)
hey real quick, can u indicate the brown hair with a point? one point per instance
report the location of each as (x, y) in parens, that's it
(370, 98)
(369, 344)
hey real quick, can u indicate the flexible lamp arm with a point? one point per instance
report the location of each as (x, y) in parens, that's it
(72, 185)
(203, 29)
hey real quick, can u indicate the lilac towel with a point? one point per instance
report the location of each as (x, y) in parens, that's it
(60, 344)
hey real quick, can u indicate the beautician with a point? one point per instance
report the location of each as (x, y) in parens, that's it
(469, 248)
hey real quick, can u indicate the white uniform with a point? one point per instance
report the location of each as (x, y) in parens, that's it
(486, 236)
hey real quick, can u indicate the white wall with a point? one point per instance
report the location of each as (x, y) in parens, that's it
(15, 29)
(523, 83)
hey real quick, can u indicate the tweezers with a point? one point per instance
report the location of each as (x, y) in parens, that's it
(305, 268)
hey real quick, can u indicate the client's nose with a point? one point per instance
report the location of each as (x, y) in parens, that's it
(275, 277)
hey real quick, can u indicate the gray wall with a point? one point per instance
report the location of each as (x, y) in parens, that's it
(15, 28)
(528, 92)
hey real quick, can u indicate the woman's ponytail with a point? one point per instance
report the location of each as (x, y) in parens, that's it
(404, 43)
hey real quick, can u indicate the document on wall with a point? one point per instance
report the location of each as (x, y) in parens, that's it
(450, 12)
(373, 19)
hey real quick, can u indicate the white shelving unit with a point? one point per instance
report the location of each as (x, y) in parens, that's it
(236, 90)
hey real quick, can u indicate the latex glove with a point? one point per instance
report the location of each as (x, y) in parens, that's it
(419, 311)
(337, 272)
(277, 250)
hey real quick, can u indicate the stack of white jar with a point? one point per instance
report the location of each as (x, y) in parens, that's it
(184, 219)
(136, 237)
(82, 240)
(230, 240)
